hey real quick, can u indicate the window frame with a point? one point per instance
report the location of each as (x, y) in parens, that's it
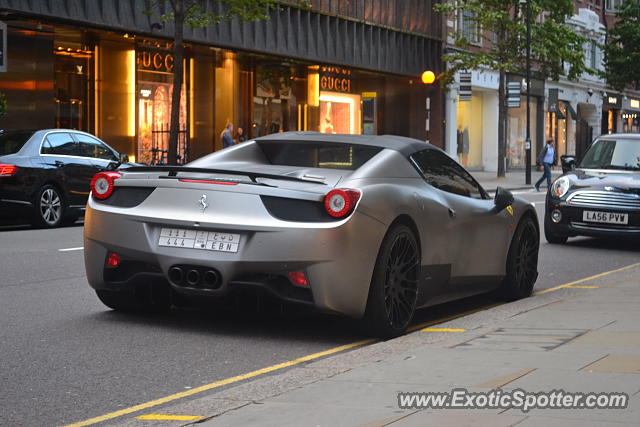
(116, 156)
(460, 171)
(469, 26)
(45, 139)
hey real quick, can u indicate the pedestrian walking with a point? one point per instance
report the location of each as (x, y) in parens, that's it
(546, 158)
(225, 136)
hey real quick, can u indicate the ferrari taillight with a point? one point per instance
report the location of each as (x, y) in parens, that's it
(341, 201)
(7, 170)
(298, 278)
(102, 184)
(113, 260)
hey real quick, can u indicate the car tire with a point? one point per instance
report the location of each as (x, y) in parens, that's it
(522, 261)
(49, 207)
(553, 238)
(394, 285)
(156, 300)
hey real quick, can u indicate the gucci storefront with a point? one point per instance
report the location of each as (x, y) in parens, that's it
(103, 73)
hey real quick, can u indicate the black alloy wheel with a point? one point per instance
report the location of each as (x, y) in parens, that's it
(522, 261)
(394, 286)
(49, 207)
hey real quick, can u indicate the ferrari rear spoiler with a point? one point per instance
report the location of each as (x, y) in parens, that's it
(174, 170)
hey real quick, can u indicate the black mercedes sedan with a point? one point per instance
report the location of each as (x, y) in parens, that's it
(45, 174)
(600, 195)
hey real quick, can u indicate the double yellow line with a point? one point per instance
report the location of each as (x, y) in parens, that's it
(311, 357)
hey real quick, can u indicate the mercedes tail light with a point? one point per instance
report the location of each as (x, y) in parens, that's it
(341, 201)
(7, 170)
(102, 184)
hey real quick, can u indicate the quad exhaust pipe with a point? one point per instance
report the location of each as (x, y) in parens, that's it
(176, 275)
(211, 279)
(195, 277)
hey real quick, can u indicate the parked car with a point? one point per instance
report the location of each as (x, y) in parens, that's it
(45, 175)
(370, 227)
(600, 196)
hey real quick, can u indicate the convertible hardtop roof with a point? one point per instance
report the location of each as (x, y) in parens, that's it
(406, 146)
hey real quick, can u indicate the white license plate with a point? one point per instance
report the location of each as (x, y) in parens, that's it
(605, 217)
(203, 240)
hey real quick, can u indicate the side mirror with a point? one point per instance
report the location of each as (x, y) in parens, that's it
(568, 163)
(503, 198)
(124, 158)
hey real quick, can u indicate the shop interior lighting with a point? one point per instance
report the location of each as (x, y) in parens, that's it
(131, 90)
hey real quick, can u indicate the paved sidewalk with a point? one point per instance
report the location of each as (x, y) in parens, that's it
(581, 338)
(515, 180)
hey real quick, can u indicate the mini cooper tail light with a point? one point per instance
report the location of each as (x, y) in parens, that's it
(298, 278)
(7, 170)
(113, 260)
(102, 184)
(341, 201)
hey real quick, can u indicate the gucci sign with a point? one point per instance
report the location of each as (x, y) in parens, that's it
(154, 61)
(335, 79)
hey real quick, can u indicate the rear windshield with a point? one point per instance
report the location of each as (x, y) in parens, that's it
(12, 142)
(325, 155)
(622, 154)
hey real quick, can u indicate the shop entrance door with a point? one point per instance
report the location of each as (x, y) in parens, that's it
(154, 121)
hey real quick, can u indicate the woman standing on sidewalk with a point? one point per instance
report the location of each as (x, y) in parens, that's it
(547, 158)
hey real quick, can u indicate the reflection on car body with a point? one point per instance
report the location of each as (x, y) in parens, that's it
(370, 227)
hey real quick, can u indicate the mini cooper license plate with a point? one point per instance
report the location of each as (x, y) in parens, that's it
(605, 217)
(203, 240)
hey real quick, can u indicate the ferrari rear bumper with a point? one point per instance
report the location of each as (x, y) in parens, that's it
(337, 259)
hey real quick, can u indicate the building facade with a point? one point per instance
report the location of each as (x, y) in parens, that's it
(570, 112)
(107, 68)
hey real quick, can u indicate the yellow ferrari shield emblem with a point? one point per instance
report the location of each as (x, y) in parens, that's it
(510, 210)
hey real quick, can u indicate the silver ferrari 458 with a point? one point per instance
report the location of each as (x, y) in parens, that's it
(370, 227)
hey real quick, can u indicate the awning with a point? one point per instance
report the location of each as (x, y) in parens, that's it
(570, 110)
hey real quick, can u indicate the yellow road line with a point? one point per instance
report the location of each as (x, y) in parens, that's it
(167, 417)
(313, 356)
(452, 317)
(441, 330)
(217, 384)
(586, 279)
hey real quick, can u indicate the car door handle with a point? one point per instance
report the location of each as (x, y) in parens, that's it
(452, 213)
(59, 163)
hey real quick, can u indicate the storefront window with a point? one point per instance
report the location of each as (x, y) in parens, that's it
(154, 88)
(517, 131)
(340, 109)
(561, 133)
(630, 122)
(470, 129)
(72, 67)
(279, 97)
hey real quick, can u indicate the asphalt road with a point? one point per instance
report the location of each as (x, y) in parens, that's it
(66, 357)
